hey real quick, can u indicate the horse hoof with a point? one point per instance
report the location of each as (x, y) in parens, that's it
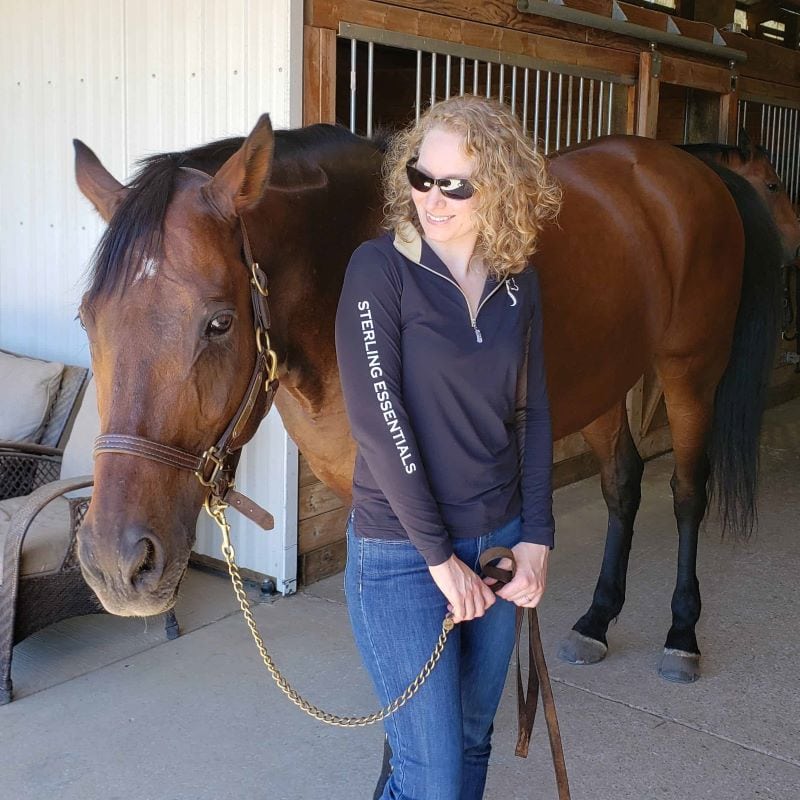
(580, 649)
(679, 666)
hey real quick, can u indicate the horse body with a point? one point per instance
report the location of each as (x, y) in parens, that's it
(645, 266)
(618, 261)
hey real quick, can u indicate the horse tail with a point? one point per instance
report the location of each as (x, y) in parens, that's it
(742, 393)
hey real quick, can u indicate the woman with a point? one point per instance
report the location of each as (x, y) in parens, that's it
(438, 321)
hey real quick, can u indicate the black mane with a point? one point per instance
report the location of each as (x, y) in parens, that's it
(134, 233)
(712, 149)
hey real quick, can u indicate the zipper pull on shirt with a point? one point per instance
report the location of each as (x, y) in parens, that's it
(478, 335)
(511, 286)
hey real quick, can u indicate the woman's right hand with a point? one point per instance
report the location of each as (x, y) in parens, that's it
(467, 595)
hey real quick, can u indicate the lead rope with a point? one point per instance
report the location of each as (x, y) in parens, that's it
(216, 510)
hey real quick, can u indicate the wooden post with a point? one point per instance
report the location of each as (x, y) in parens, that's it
(319, 75)
(728, 112)
(647, 97)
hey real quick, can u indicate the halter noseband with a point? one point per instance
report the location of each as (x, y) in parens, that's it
(215, 468)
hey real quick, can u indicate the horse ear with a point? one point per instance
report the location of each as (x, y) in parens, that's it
(745, 145)
(241, 181)
(96, 183)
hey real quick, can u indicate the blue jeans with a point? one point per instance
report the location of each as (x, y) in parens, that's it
(441, 739)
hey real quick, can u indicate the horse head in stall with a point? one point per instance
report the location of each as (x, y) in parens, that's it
(753, 163)
(171, 328)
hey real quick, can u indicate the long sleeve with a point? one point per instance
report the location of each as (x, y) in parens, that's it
(368, 347)
(538, 525)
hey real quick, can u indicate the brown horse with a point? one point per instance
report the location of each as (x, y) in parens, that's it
(648, 257)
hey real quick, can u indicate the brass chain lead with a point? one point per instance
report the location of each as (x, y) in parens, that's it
(216, 510)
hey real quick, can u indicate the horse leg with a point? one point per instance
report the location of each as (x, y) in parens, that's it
(690, 414)
(621, 469)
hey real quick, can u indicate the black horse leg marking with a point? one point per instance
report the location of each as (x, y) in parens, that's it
(621, 478)
(681, 659)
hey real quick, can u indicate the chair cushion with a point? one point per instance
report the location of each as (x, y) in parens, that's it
(78, 454)
(30, 387)
(62, 414)
(45, 546)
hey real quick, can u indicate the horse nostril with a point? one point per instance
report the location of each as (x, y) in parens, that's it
(145, 559)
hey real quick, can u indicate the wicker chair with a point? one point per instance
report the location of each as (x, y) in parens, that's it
(25, 466)
(40, 578)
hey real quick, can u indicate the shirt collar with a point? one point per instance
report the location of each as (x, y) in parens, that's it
(408, 242)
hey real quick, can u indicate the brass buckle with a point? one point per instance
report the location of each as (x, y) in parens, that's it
(210, 456)
(259, 279)
(262, 339)
(272, 366)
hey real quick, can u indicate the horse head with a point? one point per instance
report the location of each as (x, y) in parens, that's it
(753, 163)
(170, 325)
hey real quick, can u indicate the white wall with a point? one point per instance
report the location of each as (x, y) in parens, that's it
(131, 78)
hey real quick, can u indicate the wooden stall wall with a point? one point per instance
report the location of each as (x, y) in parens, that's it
(671, 94)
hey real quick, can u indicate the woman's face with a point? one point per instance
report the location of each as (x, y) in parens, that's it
(445, 221)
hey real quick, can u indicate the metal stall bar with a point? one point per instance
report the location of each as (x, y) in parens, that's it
(558, 110)
(569, 111)
(501, 90)
(433, 79)
(525, 101)
(547, 113)
(773, 115)
(589, 112)
(353, 46)
(579, 127)
(536, 109)
(610, 107)
(791, 153)
(600, 108)
(794, 192)
(462, 76)
(447, 76)
(514, 90)
(370, 70)
(791, 146)
(418, 100)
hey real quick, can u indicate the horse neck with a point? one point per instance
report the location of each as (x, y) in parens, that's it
(304, 238)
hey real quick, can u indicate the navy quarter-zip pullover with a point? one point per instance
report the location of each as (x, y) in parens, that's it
(431, 394)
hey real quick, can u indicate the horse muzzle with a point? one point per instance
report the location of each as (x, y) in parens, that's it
(128, 571)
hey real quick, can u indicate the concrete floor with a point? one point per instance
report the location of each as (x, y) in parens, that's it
(105, 708)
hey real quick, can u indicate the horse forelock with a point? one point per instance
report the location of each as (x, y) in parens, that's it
(133, 240)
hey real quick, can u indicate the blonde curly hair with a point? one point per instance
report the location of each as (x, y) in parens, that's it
(515, 194)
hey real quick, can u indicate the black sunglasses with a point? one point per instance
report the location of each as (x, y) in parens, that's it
(454, 188)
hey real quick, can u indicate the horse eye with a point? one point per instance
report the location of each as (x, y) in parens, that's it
(219, 324)
(773, 187)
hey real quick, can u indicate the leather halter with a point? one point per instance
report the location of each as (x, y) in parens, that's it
(215, 468)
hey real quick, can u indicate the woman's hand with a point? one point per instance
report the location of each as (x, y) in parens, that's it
(467, 595)
(528, 584)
